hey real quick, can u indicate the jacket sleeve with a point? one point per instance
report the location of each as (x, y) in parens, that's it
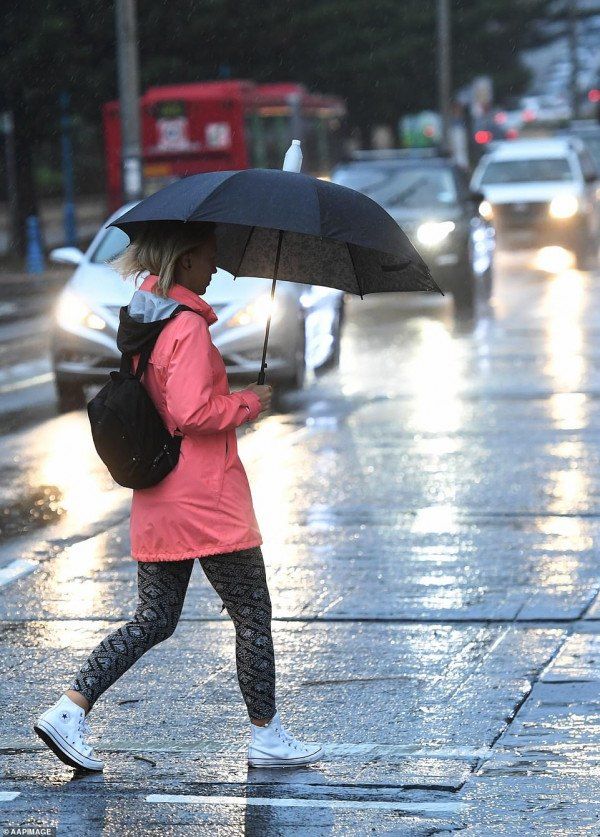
(189, 394)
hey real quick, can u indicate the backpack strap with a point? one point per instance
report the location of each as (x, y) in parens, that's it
(144, 358)
(125, 367)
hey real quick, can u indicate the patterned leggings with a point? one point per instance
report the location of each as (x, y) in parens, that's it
(239, 579)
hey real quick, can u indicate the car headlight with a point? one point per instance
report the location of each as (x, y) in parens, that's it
(432, 233)
(563, 206)
(73, 311)
(256, 311)
(486, 210)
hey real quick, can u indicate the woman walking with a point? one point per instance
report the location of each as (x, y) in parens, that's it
(201, 509)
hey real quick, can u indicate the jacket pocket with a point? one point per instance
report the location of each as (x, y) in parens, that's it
(206, 465)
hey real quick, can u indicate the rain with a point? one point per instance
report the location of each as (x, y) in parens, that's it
(393, 221)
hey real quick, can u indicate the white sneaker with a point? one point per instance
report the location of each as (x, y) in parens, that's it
(62, 728)
(272, 746)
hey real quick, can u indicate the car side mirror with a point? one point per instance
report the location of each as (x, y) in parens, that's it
(591, 176)
(66, 255)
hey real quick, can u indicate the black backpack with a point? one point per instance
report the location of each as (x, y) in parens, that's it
(128, 432)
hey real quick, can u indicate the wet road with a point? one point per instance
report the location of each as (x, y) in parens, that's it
(429, 510)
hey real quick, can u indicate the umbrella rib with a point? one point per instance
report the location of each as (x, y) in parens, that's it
(235, 275)
(360, 290)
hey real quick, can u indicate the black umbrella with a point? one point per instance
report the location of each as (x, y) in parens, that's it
(291, 226)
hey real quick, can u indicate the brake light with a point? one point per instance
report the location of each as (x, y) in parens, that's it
(482, 137)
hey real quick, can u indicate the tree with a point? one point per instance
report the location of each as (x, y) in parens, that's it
(379, 55)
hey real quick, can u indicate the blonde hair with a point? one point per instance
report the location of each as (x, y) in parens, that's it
(156, 249)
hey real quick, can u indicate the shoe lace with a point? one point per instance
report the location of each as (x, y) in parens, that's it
(84, 730)
(288, 739)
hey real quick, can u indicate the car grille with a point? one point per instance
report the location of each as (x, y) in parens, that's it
(520, 212)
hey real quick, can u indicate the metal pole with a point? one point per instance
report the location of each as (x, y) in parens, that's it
(444, 70)
(70, 225)
(129, 98)
(8, 129)
(572, 37)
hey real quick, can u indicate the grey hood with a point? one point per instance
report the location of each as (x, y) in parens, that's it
(143, 319)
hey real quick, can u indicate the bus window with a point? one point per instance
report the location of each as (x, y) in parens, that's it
(268, 139)
(255, 141)
(277, 136)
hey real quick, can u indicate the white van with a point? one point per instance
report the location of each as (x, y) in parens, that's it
(543, 191)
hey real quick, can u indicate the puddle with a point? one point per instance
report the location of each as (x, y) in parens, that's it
(37, 507)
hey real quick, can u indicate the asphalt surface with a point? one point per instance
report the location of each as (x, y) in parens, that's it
(430, 512)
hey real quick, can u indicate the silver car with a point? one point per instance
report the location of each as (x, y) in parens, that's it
(305, 325)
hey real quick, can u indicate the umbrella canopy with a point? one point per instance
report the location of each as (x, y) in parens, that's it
(291, 226)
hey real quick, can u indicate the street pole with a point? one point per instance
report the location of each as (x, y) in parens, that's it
(129, 99)
(70, 225)
(572, 37)
(8, 129)
(444, 71)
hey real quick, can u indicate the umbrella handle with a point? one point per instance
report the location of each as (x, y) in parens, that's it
(263, 365)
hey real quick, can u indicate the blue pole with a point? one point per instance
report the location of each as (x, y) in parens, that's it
(70, 224)
(34, 261)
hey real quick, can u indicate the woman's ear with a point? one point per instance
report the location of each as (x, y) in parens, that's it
(185, 261)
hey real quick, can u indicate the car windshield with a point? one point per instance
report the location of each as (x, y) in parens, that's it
(414, 187)
(112, 244)
(527, 171)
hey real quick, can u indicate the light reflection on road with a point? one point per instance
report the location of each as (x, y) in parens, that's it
(562, 311)
(67, 458)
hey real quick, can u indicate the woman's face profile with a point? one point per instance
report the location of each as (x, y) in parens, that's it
(198, 265)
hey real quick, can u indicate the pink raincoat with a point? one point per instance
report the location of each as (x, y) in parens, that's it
(204, 505)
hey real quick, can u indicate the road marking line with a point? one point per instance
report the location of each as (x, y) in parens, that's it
(278, 802)
(407, 751)
(16, 569)
(18, 371)
(8, 796)
(27, 382)
(364, 750)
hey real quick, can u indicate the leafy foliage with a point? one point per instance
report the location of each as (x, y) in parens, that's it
(379, 55)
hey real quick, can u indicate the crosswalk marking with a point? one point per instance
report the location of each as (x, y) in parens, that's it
(16, 569)
(280, 802)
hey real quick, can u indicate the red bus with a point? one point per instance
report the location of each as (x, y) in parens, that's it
(223, 125)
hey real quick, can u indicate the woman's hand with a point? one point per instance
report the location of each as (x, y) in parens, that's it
(264, 395)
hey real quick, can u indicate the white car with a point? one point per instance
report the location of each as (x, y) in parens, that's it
(305, 326)
(543, 191)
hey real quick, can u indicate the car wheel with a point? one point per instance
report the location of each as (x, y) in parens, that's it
(586, 254)
(464, 291)
(488, 282)
(70, 396)
(296, 379)
(333, 360)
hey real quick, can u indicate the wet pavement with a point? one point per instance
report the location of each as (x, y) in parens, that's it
(430, 512)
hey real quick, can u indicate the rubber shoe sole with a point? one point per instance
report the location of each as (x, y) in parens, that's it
(62, 749)
(266, 761)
